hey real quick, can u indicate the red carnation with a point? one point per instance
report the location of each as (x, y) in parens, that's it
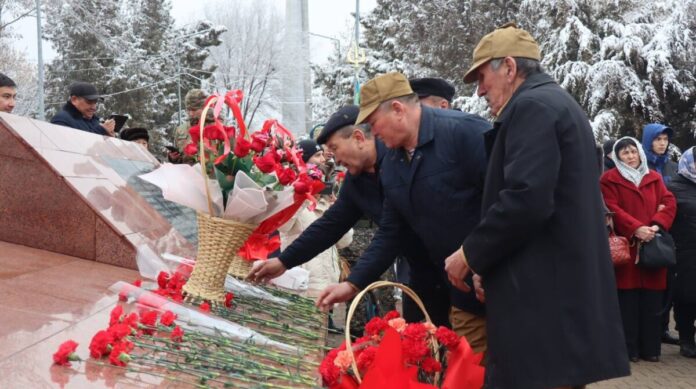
(138, 283)
(375, 326)
(195, 133)
(241, 147)
(328, 370)
(229, 296)
(266, 163)
(162, 279)
(414, 350)
(415, 331)
(100, 344)
(149, 319)
(119, 331)
(430, 365)
(205, 307)
(177, 334)
(391, 315)
(286, 176)
(366, 357)
(115, 316)
(131, 320)
(167, 319)
(66, 353)
(447, 337)
(119, 354)
(191, 149)
(259, 140)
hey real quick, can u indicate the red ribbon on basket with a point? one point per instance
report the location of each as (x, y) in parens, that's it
(464, 370)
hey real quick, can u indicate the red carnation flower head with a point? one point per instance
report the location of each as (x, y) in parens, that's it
(66, 353)
(149, 319)
(375, 326)
(447, 337)
(414, 350)
(415, 331)
(330, 373)
(119, 331)
(131, 320)
(167, 319)
(259, 140)
(265, 163)
(195, 133)
(393, 314)
(162, 279)
(119, 354)
(365, 359)
(191, 149)
(138, 283)
(177, 334)
(286, 175)
(241, 147)
(100, 344)
(431, 365)
(204, 307)
(229, 296)
(115, 316)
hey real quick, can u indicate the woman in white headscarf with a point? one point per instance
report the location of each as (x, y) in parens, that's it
(684, 233)
(641, 205)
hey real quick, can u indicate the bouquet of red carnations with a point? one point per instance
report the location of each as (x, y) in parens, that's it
(396, 354)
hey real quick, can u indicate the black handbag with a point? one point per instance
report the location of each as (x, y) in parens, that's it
(657, 253)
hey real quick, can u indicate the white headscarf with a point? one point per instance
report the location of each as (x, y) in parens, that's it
(627, 172)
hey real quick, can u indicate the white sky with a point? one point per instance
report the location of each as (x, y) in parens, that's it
(326, 17)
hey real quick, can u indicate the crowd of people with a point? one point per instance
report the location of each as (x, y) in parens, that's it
(501, 228)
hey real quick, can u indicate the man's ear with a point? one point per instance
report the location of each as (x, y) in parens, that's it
(358, 134)
(511, 66)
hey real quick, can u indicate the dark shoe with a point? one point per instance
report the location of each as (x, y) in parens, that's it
(652, 359)
(634, 359)
(688, 350)
(668, 338)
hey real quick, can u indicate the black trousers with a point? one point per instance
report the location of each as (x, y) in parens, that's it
(436, 301)
(685, 315)
(642, 322)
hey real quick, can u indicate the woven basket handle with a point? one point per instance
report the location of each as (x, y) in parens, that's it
(356, 302)
(201, 152)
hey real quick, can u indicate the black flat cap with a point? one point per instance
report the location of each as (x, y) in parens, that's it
(135, 133)
(85, 90)
(343, 117)
(425, 87)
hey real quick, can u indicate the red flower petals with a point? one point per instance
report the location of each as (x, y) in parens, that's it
(100, 344)
(167, 319)
(66, 353)
(177, 334)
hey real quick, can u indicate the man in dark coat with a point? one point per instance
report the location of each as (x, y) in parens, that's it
(433, 92)
(80, 111)
(541, 247)
(361, 195)
(432, 178)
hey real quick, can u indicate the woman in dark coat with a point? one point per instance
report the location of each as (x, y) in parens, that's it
(642, 205)
(683, 186)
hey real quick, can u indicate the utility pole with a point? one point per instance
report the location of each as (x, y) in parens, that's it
(356, 55)
(41, 110)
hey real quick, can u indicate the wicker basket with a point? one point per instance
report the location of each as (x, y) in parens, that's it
(218, 242)
(354, 305)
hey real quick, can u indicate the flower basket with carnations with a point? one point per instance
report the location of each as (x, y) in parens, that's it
(259, 182)
(396, 354)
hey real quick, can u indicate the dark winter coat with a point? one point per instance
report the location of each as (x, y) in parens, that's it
(437, 194)
(541, 248)
(71, 117)
(360, 196)
(684, 234)
(634, 207)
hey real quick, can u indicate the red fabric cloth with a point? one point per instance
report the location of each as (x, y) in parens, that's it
(634, 207)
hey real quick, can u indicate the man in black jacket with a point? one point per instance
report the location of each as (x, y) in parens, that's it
(541, 247)
(361, 195)
(79, 111)
(432, 178)
(433, 92)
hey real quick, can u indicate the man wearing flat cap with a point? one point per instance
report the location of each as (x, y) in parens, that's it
(361, 196)
(433, 92)
(194, 103)
(541, 246)
(80, 111)
(432, 181)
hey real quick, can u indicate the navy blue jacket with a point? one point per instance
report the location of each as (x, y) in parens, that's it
(69, 116)
(360, 195)
(437, 194)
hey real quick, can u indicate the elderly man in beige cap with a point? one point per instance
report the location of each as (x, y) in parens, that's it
(541, 248)
(432, 181)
